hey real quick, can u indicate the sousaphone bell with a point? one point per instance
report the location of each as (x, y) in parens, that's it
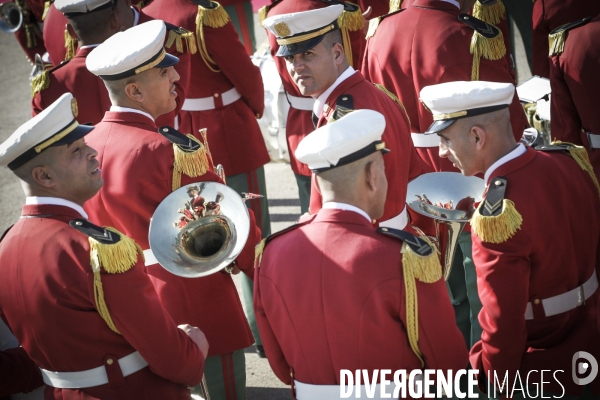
(11, 17)
(199, 229)
(449, 199)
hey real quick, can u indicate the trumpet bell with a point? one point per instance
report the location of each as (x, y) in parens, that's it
(11, 17)
(199, 229)
(449, 199)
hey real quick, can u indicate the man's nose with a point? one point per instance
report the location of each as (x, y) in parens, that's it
(174, 75)
(443, 150)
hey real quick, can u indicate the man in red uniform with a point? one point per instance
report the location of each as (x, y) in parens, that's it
(576, 87)
(549, 15)
(29, 35)
(55, 26)
(537, 314)
(299, 120)
(92, 27)
(319, 67)
(359, 306)
(66, 283)
(143, 167)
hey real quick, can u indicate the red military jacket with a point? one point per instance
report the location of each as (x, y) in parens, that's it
(47, 299)
(576, 89)
(299, 122)
(350, 311)
(402, 164)
(29, 34)
(137, 166)
(549, 15)
(233, 133)
(556, 249)
(88, 89)
(406, 54)
(55, 26)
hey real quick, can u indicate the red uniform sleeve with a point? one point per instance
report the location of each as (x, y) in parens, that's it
(272, 348)
(145, 324)
(565, 121)
(540, 49)
(503, 282)
(18, 373)
(37, 104)
(229, 53)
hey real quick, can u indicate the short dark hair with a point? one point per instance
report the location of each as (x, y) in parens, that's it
(333, 37)
(89, 24)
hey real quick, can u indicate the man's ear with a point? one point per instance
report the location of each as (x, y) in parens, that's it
(479, 136)
(71, 31)
(371, 175)
(338, 53)
(132, 90)
(43, 176)
(316, 180)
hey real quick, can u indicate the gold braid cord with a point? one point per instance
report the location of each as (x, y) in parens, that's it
(395, 5)
(493, 14)
(213, 18)
(113, 258)
(258, 252)
(191, 163)
(490, 49)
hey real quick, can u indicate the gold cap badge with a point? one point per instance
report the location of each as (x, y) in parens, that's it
(282, 29)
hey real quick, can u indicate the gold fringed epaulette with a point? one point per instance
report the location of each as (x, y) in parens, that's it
(109, 250)
(70, 45)
(558, 37)
(40, 82)
(496, 219)
(177, 36)
(262, 14)
(490, 11)
(47, 5)
(351, 20)
(213, 15)
(190, 156)
(374, 23)
(487, 42)
(393, 97)
(420, 261)
(578, 153)
(395, 5)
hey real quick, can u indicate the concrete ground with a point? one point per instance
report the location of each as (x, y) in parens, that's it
(15, 95)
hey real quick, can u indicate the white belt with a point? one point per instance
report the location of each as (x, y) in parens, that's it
(398, 222)
(301, 103)
(208, 103)
(92, 377)
(423, 140)
(149, 258)
(566, 301)
(594, 141)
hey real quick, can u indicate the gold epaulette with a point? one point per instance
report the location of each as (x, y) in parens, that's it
(177, 36)
(70, 45)
(213, 15)
(393, 97)
(487, 42)
(351, 20)
(420, 261)
(264, 10)
(260, 248)
(109, 250)
(578, 153)
(47, 5)
(395, 5)
(490, 11)
(190, 155)
(496, 219)
(374, 23)
(557, 38)
(41, 81)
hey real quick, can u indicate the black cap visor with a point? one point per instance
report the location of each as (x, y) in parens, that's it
(287, 50)
(357, 155)
(442, 124)
(76, 134)
(168, 61)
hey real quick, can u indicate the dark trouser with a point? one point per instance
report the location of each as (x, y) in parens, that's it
(521, 12)
(253, 182)
(303, 191)
(225, 376)
(242, 18)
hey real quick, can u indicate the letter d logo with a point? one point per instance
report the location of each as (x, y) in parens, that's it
(579, 368)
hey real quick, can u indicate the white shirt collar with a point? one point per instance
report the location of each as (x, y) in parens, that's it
(89, 46)
(332, 205)
(320, 101)
(133, 110)
(136, 16)
(456, 3)
(519, 151)
(55, 201)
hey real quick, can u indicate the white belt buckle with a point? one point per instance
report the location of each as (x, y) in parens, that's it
(580, 296)
(593, 140)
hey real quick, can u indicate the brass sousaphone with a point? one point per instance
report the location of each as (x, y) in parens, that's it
(199, 229)
(449, 199)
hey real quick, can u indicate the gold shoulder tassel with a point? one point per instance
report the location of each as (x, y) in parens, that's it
(214, 18)
(500, 228)
(393, 97)
(350, 21)
(258, 251)
(373, 25)
(395, 5)
(47, 5)
(581, 157)
(192, 164)
(556, 42)
(114, 258)
(490, 49)
(492, 14)
(262, 14)
(177, 38)
(425, 269)
(70, 45)
(40, 82)
(30, 34)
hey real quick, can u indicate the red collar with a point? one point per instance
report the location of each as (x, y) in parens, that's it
(353, 80)
(129, 118)
(49, 210)
(342, 216)
(515, 164)
(436, 5)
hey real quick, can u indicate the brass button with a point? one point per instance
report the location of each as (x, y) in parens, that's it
(216, 94)
(536, 301)
(109, 361)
